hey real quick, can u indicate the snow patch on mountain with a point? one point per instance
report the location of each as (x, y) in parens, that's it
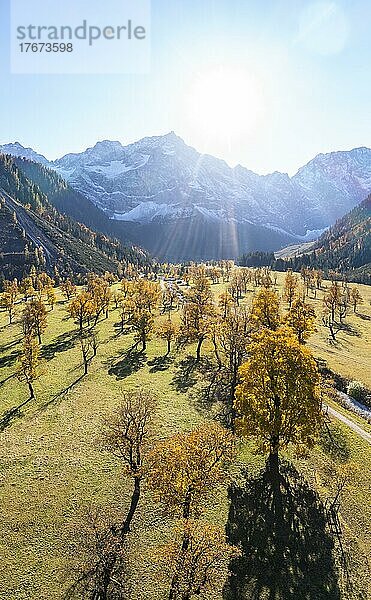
(145, 212)
(117, 167)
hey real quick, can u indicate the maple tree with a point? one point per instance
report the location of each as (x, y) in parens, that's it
(278, 399)
(34, 318)
(265, 310)
(68, 289)
(168, 331)
(82, 308)
(186, 467)
(301, 319)
(194, 559)
(355, 298)
(290, 287)
(28, 367)
(197, 314)
(9, 297)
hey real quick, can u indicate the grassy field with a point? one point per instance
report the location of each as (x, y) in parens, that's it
(51, 465)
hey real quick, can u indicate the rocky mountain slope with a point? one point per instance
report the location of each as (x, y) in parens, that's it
(344, 248)
(34, 232)
(180, 204)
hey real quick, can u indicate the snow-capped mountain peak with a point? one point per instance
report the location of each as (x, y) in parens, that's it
(16, 149)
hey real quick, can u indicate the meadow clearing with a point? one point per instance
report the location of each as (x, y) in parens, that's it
(52, 467)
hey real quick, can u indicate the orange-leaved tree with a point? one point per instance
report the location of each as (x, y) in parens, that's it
(199, 567)
(186, 467)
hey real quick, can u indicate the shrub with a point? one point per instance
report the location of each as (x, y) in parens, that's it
(357, 391)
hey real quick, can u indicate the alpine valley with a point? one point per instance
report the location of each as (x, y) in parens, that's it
(161, 194)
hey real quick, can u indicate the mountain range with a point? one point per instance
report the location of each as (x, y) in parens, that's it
(179, 204)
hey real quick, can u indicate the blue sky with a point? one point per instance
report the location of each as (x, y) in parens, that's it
(308, 64)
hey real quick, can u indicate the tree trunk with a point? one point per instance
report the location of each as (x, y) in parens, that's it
(278, 509)
(332, 331)
(198, 352)
(125, 527)
(273, 462)
(168, 347)
(32, 393)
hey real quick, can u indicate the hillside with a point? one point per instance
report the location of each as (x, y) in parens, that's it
(344, 248)
(30, 222)
(182, 205)
(67, 200)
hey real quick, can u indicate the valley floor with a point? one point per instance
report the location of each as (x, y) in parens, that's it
(51, 467)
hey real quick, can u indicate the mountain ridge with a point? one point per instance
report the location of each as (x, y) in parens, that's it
(160, 186)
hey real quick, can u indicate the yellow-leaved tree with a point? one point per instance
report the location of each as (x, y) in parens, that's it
(278, 399)
(9, 297)
(168, 331)
(185, 469)
(68, 289)
(197, 315)
(290, 287)
(82, 308)
(265, 310)
(139, 307)
(34, 321)
(301, 319)
(28, 368)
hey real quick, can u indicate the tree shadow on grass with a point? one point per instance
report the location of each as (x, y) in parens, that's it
(190, 371)
(332, 441)
(287, 553)
(64, 342)
(350, 330)
(15, 413)
(11, 415)
(363, 316)
(9, 345)
(7, 379)
(9, 359)
(132, 361)
(159, 363)
(185, 376)
(60, 395)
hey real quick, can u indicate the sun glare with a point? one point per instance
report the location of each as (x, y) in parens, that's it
(224, 103)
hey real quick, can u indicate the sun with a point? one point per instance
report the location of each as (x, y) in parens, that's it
(225, 103)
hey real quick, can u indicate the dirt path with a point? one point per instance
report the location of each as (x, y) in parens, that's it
(356, 428)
